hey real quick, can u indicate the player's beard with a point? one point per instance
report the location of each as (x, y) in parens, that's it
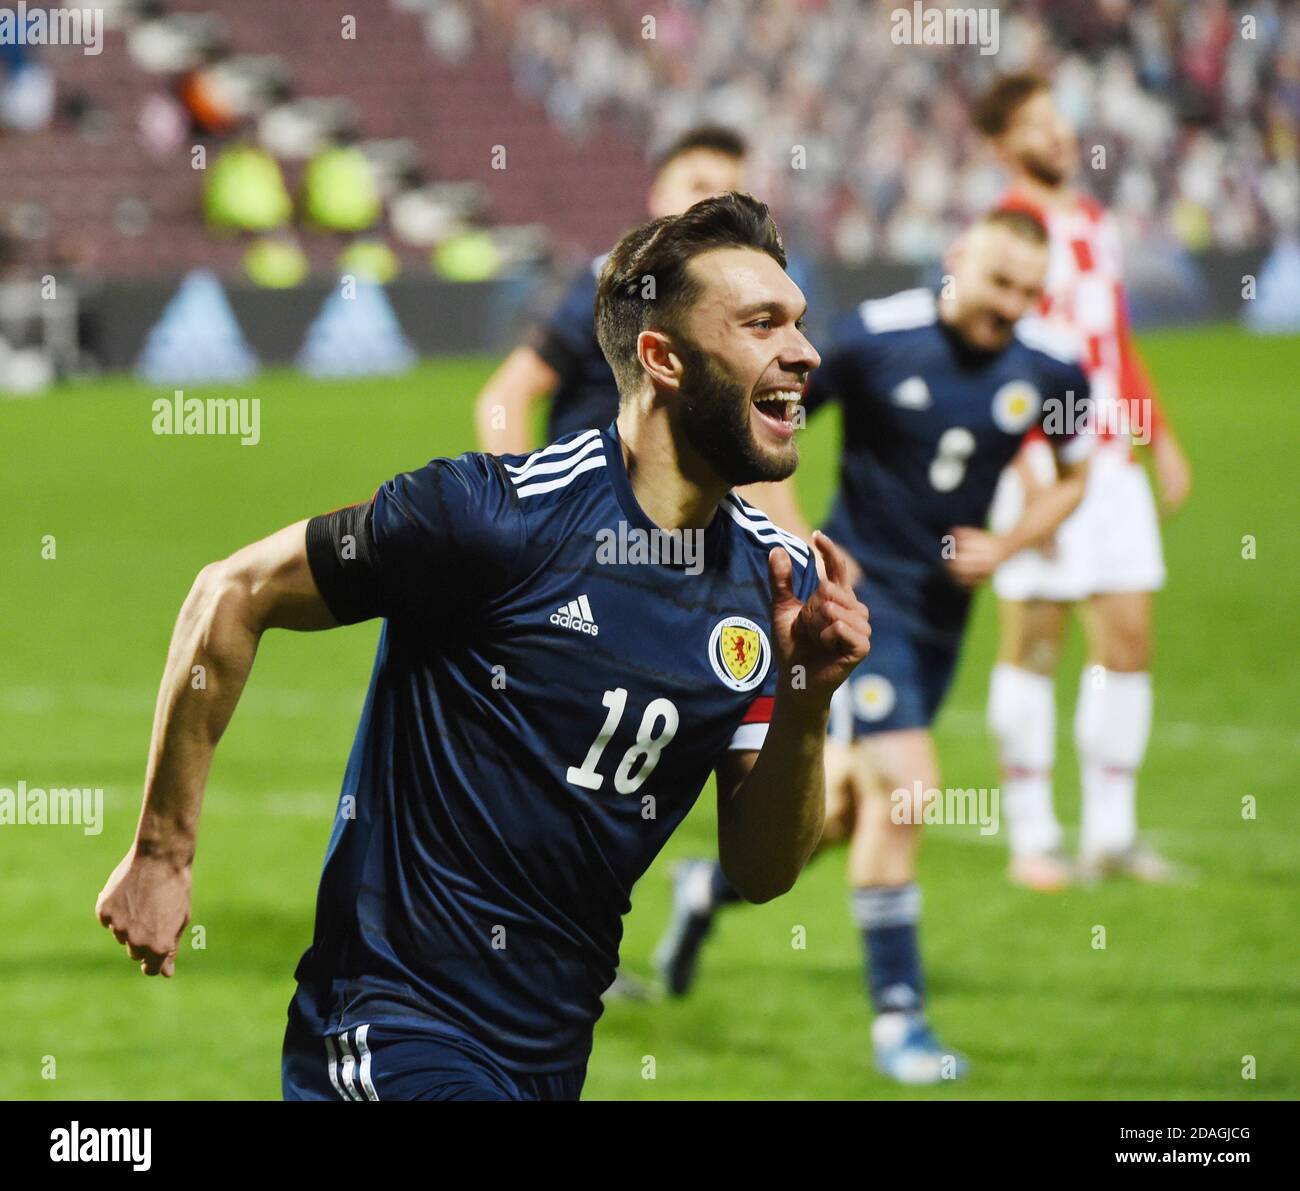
(714, 415)
(1046, 172)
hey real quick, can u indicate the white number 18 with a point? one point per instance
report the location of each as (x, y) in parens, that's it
(649, 744)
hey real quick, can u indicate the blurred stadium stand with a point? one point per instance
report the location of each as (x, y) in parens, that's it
(98, 188)
(1200, 122)
(108, 186)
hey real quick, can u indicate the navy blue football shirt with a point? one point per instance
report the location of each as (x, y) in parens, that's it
(586, 395)
(928, 425)
(546, 703)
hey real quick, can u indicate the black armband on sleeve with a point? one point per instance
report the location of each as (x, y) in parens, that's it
(341, 554)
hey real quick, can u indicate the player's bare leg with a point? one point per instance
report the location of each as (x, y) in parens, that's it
(1022, 718)
(886, 900)
(883, 850)
(1112, 728)
(841, 797)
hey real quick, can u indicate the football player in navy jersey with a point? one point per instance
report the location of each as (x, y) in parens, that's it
(937, 392)
(562, 357)
(542, 712)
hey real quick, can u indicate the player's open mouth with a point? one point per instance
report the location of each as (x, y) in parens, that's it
(776, 409)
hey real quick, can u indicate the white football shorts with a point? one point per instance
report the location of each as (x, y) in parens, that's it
(1110, 543)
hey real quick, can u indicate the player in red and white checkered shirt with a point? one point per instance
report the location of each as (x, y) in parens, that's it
(1106, 558)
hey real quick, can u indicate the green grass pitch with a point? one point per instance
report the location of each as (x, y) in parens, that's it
(1192, 980)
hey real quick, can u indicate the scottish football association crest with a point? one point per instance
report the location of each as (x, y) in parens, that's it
(1015, 405)
(740, 653)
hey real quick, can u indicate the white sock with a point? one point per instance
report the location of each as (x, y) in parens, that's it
(1022, 718)
(1111, 728)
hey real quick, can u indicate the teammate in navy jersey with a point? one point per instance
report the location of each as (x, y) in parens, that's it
(556, 676)
(562, 357)
(936, 394)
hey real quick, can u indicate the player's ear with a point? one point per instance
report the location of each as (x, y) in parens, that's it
(654, 349)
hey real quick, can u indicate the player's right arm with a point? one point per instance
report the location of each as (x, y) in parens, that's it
(1173, 472)
(432, 545)
(146, 901)
(503, 410)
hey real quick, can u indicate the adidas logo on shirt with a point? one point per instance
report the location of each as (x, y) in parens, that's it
(576, 615)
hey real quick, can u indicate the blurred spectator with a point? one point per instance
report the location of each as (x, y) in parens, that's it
(449, 31)
(467, 256)
(372, 260)
(339, 190)
(205, 93)
(26, 89)
(275, 262)
(245, 191)
(161, 124)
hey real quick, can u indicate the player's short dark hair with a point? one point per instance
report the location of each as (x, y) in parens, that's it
(716, 138)
(1019, 223)
(645, 281)
(999, 103)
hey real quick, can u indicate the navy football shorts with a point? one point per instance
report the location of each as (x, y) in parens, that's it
(407, 1062)
(900, 684)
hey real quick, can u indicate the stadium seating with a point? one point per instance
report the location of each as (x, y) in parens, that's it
(453, 114)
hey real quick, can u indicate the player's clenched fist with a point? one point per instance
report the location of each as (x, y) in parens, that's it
(828, 635)
(146, 904)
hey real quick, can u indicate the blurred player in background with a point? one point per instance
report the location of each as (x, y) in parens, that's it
(563, 358)
(937, 396)
(1106, 558)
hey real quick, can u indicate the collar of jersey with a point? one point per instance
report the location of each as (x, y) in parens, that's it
(634, 513)
(968, 356)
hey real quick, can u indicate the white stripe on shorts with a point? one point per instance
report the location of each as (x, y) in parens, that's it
(367, 1084)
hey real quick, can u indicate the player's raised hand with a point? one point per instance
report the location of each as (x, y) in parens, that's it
(828, 635)
(976, 555)
(146, 904)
